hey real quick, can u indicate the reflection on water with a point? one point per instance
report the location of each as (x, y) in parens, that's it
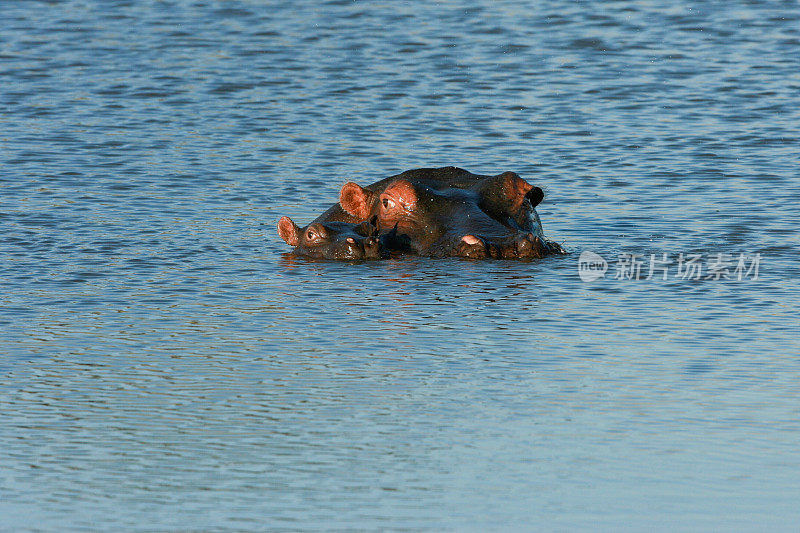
(167, 364)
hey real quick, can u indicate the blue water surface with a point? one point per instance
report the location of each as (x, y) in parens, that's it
(167, 365)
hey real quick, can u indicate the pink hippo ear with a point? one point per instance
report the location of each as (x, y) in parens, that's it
(289, 231)
(356, 200)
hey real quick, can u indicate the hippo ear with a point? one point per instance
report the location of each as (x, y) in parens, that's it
(289, 231)
(356, 200)
(535, 195)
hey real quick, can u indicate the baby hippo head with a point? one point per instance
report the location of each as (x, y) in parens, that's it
(332, 240)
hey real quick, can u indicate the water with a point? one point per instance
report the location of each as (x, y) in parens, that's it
(167, 366)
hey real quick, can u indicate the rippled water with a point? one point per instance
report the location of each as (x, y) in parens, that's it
(168, 366)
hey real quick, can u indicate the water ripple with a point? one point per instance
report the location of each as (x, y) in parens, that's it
(166, 362)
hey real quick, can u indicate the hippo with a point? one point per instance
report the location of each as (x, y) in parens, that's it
(435, 212)
(446, 177)
(490, 218)
(334, 240)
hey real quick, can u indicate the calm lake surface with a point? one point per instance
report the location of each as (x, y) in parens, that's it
(167, 365)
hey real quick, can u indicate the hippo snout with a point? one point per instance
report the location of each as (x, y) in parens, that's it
(354, 248)
(361, 248)
(372, 248)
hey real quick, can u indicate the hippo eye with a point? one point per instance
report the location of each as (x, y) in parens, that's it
(387, 203)
(310, 235)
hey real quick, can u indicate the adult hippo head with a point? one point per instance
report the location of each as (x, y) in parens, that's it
(506, 197)
(483, 220)
(333, 240)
